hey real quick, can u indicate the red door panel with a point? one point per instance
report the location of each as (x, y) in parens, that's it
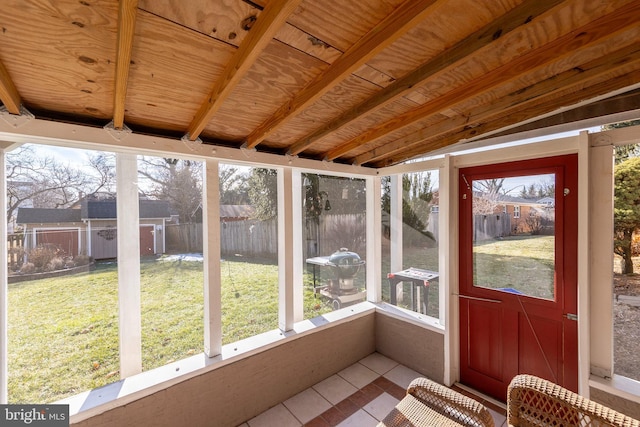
(518, 273)
(540, 346)
(485, 346)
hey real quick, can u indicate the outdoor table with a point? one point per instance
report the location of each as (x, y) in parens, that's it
(322, 261)
(420, 283)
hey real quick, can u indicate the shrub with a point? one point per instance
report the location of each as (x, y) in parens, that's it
(28, 268)
(82, 259)
(41, 256)
(56, 263)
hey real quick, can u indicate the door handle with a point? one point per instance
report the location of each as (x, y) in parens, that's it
(478, 298)
(571, 316)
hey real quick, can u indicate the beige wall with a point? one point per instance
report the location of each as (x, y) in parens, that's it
(241, 390)
(614, 402)
(414, 346)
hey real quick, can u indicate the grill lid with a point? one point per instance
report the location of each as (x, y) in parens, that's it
(344, 257)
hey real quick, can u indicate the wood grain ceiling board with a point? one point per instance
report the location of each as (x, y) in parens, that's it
(431, 86)
(377, 39)
(341, 24)
(568, 96)
(349, 92)
(453, 21)
(562, 89)
(581, 37)
(357, 127)
(428, 72)
(279, 73)
(172, 68)
(231, 20)
(511, 46)
(596, 58)
(226, 20)
(67, 64)
(550, 95)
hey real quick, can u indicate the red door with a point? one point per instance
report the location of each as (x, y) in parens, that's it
(63, 239)
(518, 287)
(147, 246)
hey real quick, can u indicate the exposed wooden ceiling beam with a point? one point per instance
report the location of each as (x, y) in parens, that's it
(610, 109)
(515, 18)
(8, 93)
(127, 12)
(395, 25)
(590, 71)
(526, 111)
(267, 24)
(604, 27)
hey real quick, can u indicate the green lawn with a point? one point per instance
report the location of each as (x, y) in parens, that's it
(525, 263)
(63, 332)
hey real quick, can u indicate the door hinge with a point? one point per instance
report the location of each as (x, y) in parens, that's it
(571, 316)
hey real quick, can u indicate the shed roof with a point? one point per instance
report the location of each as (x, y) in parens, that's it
(42, 215)
(93, 209)
(107, 209)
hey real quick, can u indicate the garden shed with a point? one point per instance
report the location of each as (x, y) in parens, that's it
(91, 228)
(366, 91)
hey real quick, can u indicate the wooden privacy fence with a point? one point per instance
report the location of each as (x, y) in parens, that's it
(250, 238)
(488, 227)
(259, 239)
(15, 251)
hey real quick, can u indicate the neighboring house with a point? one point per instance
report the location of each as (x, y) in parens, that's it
(91, 227)
(518, 215)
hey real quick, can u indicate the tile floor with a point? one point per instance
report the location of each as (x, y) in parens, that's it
(359, 396)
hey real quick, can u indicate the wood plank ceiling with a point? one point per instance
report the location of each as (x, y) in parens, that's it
(368, 82)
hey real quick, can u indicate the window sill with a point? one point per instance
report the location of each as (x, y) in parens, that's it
(412, 317)
(93, 402)
(624, 387)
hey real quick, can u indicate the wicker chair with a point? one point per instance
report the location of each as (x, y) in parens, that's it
(428, 403)
(532, 401)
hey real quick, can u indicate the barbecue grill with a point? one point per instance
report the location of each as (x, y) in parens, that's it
(344, 265)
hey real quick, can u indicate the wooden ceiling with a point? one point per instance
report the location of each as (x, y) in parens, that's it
(367, 82)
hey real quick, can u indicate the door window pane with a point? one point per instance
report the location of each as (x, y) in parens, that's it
(513, 234)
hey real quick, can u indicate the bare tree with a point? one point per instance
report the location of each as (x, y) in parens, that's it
(175, 180)
(42, 181)
(486, 195)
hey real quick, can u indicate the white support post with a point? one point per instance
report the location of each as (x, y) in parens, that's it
(297, 241)
(448, 266)
(4, 288)
(595, 259)
(395, 222)
(374, 241)
(128, 212)
(211, 264)
(286, 251)
(88, 251)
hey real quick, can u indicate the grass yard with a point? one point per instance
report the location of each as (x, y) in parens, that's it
(525, 263)
(63, 332)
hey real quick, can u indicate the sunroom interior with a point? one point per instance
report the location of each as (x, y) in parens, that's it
(369, 91)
